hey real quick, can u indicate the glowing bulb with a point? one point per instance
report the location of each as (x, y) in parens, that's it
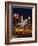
(15, 15)
(29, 18)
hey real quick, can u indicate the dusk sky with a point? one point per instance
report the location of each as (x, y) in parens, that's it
(23, 11)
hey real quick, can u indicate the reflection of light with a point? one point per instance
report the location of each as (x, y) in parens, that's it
(16, 29)
(19, 30)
